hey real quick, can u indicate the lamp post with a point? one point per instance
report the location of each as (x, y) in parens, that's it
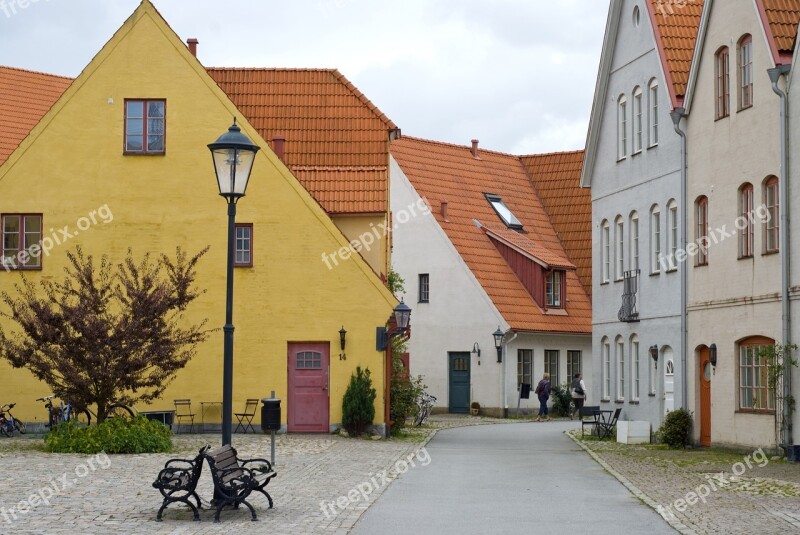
(233, 154)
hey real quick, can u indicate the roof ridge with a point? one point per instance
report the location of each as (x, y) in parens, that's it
(556, 153)
(454, 145)
(361, 96)
(272, 69)
(30, 71)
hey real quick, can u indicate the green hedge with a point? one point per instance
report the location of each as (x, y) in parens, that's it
(115, 435)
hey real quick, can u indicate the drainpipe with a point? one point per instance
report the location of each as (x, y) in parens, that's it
(775, 76)
(505, 371)
(677, 114)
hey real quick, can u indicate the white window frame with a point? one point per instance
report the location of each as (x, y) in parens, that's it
(653, 113)
(638, 122)
(606, 369)
(620, 358)
(651, 365)
(635, 368)
(605, 252)
(655, 240)
(633, 227)
(619, 249)
(745, 64)
(622, 128)
(672, 237)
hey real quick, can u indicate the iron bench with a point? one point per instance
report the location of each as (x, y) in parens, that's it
(177, 482)
(234, 478)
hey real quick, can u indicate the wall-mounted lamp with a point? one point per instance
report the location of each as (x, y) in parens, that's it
(498, 343)
(402, 317)
(476, 352)
(342, 343)
(712, 355)
(654, 354)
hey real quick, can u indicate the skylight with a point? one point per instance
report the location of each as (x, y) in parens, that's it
(503, 211)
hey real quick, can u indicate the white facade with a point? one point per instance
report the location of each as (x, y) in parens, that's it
(459, 314)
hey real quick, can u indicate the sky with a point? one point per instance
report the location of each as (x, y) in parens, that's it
(518, 75)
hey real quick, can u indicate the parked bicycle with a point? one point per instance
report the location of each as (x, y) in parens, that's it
(425, 403)
(62, 412)
(9, 424)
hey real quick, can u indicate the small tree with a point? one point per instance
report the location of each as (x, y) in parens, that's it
(405, 390)
(105, 332)
(358, 404)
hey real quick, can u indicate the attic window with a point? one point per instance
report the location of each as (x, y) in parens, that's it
(144, 126)
(503, 211)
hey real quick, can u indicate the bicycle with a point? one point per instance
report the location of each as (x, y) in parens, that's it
(425, 403)
(9, 424)
(57, 414)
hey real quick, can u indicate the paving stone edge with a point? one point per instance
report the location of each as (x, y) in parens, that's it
(674, 523)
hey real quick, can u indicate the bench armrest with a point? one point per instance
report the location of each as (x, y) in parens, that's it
(266, 466)
(173, 478)
(189, 462)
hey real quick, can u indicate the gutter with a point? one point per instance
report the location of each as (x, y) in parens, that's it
(775, 75)
(677, 114)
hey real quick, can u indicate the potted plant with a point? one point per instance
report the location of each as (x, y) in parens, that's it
(474, 408)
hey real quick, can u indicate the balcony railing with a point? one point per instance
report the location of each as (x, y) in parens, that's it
(628, 313)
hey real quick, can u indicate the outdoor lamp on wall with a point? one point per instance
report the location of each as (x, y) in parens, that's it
(233, 154)
(476, 352)
(712, 354)
(498, 343)
(342, 335)
(402, 317)
(654, 354)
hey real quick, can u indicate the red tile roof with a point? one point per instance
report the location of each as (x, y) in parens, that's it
(336, 139)
(557, 179)
(444, 172)
(783, 17)
(676, 26)
(25, 97)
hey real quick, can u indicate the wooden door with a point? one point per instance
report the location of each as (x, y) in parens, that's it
(459, 375)
(704, 369)
(308, 407)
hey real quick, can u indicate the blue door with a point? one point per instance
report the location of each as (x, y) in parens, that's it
(459, 382)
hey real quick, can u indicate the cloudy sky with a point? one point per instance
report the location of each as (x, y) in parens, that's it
(517, 74)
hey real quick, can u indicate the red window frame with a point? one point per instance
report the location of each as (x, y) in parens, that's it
(723, 82)
(701, 230)
(145, 133)
(772, 226)
(560, 275)
(746, 234)
(759, 374)
(21, 243)
(745, 60)
(236, 262)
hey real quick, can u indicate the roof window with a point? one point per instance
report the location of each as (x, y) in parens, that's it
(503, 211)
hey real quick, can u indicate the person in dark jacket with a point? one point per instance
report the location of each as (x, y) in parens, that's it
(543, 391)
(578, 392)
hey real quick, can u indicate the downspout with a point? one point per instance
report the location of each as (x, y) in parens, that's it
(775, 75)
(677, 114)
(505, 371)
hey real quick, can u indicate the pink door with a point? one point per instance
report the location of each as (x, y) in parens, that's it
(308, 405)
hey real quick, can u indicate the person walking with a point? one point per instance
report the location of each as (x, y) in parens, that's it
(578, 392)
(543, 391)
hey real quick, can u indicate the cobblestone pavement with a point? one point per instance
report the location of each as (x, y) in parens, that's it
(741, 494)
(312, 470)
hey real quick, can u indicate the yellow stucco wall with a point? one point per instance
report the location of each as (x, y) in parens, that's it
(369, 236)
(72, 164)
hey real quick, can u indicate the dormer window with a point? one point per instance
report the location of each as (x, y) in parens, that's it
(503, 211)
(554, 289)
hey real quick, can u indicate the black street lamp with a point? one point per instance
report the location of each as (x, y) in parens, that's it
(233, 154)
(498, 343)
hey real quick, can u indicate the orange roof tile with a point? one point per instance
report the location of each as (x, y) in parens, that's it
(521, 242)
(444, 172)
(676, 26)
(557, 179)
(25, 97)
(336, 139)
(783, 17)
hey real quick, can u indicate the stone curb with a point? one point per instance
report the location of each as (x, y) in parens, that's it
(676, 524)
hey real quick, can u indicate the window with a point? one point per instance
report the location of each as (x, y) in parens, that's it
(745, 72)
(606, 370)
(619, 249)
(771, 225)
(672, 238)
(635, 368)
(554, 289)
(622, 128)
(524, 366)
(574, 364)
(506, 215)
(634, 241)
(551, 365)
(653, 114)
(744, 223)
(755, 393)
(638, 124)
(605, 252)
(637, 16)
(652, 368)
(722, 85)
(701, 230)
(620, 368)
(22, 237)
(145, 126)
(655, 239)
(424, 288)
(309, 360)
(244, 245)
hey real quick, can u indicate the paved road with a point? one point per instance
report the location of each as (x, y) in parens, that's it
(511, 478)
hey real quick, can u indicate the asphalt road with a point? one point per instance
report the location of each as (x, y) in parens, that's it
(509, 478)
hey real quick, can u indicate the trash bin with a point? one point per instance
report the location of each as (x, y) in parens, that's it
(271, 414)
(525, 391)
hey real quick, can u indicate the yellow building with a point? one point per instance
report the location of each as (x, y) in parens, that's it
(91, 166)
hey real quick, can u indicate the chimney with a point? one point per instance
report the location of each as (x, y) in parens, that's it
(279, 146)
(474, 148)
(192, 44)
(444, 210)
